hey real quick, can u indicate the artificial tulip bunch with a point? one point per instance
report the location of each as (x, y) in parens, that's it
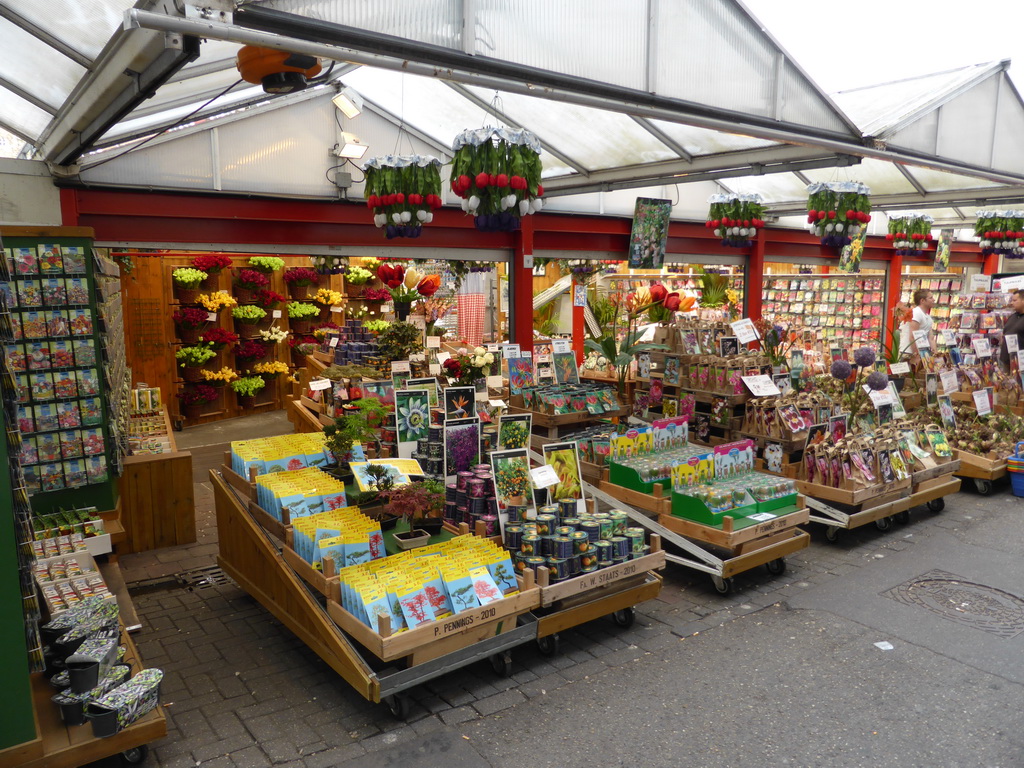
(735, 218)
(403, 193)
(1001, 232)
(496, 172)
(837, 211)
(407, 285)
(910, 234)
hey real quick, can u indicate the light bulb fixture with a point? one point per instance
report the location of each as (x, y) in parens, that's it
(350, 147)
(349, 102)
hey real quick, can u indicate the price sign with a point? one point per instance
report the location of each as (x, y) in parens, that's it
(760, 386)
(982, 347)
(320, 384)
(561, 345)
(880, 398)
(982, 402)
(211, 316)
(400, 366)
(898, 368)
(491, 347)
(277, 314)
(442, 357)
(495, 381)
(949, 383)
(1020, 359)
(921, 337)
(981, 283)
(337, 310)
(435, 369)
(949, 337)
(497, 403)
(744, 330)
(544, 476)
(1012, 344)
(528, 354)
(509, 351)
(334, 341)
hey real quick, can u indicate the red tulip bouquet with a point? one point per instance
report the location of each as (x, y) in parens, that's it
(735, 218)
(837, 211)
(403, 193)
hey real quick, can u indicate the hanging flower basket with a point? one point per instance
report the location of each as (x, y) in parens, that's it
(496, 172)
(735, 218)
(837, 211)
(1001, 232)
(403, 192)
(910, 234)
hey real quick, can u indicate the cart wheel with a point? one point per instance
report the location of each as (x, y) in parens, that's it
(902, 517)
(398, 705)
(832, 534)
(501, 663)
(135, 756)
(937, 505)
(625, 617)
(883, 523)
(178, 425)
(549, 645)
(777, 566)
(722, 586)
(984, 487)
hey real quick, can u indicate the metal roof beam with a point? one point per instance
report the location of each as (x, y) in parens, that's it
(31, 98)
(663, 137)
(20, 134)
(199, 70)
(41, 34)
(486, 107)
(911, 178)
(391, 117)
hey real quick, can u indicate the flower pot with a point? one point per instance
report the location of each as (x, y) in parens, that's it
(300, 292)
(431, 525)
(353, 291)
(192, 411)
(269, 377)
(301, 327)
(187, 334)
(411, 539)
(248, 330)
(298, 358)
(192, 374)
(244, 295)
(402, 309)
(246, 402)
(325, 311)
(211, 283)
(186, 295)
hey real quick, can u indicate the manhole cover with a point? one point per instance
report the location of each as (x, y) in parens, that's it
(958, 599)
(201, 578)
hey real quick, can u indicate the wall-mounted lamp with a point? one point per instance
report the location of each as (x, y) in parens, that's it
(349, 102)
(350, 147)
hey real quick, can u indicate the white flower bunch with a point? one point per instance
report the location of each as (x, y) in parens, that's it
(481, 357)
(274, 334)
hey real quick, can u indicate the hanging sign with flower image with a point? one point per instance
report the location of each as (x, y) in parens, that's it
(735, 218)
(403, 192)
(496, 172)
(910, 234)
(837, 211)
(1001, 232)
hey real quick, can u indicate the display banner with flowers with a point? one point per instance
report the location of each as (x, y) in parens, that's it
(403, 192)
(735, 218)
(496, 172)
(649, 233)
(911, 233)
(1001, 232)
(837, 211)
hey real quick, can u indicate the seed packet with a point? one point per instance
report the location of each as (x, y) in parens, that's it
(25, 261)
(71, 444)
(61, 354)
(75, 474)
(26, 420)
(8, 293)
(57, 323)
(54, 292)
(81, 322)
(31, 480)
(50, 261)
(68, 416)
(96, 469)
(74, 259)
(42, 386)
(77, 290)
(51, 477)
(29, 454)
(92, 411)
(33, 325)
(39, 356)
(15, 354)
(65, 384)
(17, 333)
(92, 441)
(85, 352)
(88, 382)
(30, 294)
(48, 446)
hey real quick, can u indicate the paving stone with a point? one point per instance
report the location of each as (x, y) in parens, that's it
(330, 758)
(279, 750)
(250, 757)
(458, 715)
(586, 669)
(208, 751)
(498, 702)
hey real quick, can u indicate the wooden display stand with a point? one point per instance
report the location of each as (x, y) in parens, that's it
(983, 470)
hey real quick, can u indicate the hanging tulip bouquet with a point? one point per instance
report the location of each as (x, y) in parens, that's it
(403, 193)
(496, 172)
(735, 218)
(1001, 232)
(837, 211)
(910, 234)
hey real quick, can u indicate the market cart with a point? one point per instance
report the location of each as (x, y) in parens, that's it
(983, 470)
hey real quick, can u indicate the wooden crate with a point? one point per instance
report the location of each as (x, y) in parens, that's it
(658, 502)
(589, 585)
(873, 495)
(980, 467)
(737, 541)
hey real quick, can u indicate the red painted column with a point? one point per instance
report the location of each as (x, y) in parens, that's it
(579, 328)
(755, 276)
(893, 293)
(69, 207)
(991, 264)
(521, 287)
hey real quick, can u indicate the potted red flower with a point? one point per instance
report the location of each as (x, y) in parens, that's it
(212, 264)
(250, 350)
(189, 322)
(247, 282)
(218, 338)
(299, 279)
(194, 398)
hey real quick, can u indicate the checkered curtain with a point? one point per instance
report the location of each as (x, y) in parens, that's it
(471, 306)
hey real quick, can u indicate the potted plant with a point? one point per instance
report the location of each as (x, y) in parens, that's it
(186, 284)
(246, 388)
(266, 264)
(215, 301)
(268, 299)
(300, 316)
(837, 211)
(248, 318)
(407, 286)
(273, 335)
(354, 425)
(298, 280)
(188, 321)
(194, 398)
(421, 504)
(250, 350)
(399, 340)
(326, 298)
(247, 282)
(270, 370)
(355, 279)
(212, 264)
(218, 338)
(191, 359)
(219, 378)
(403, 192)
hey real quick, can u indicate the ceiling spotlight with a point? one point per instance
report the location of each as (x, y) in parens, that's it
(349, 102)
(350, 147)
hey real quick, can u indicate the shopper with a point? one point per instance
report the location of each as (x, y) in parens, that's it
(1014, 327)
(920, 320)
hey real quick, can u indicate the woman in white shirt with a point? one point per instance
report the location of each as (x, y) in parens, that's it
(920, 321)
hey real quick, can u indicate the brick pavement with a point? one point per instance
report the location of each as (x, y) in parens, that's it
(242, 690)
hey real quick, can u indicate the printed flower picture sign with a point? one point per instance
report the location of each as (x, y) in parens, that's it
(512, 478)
(460, 402)
(566, 371)
(520, 374)
(564, 459)
(514, 430)
(461, 444)
(412, 412)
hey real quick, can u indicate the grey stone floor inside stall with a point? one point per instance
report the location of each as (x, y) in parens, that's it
(784, 671)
